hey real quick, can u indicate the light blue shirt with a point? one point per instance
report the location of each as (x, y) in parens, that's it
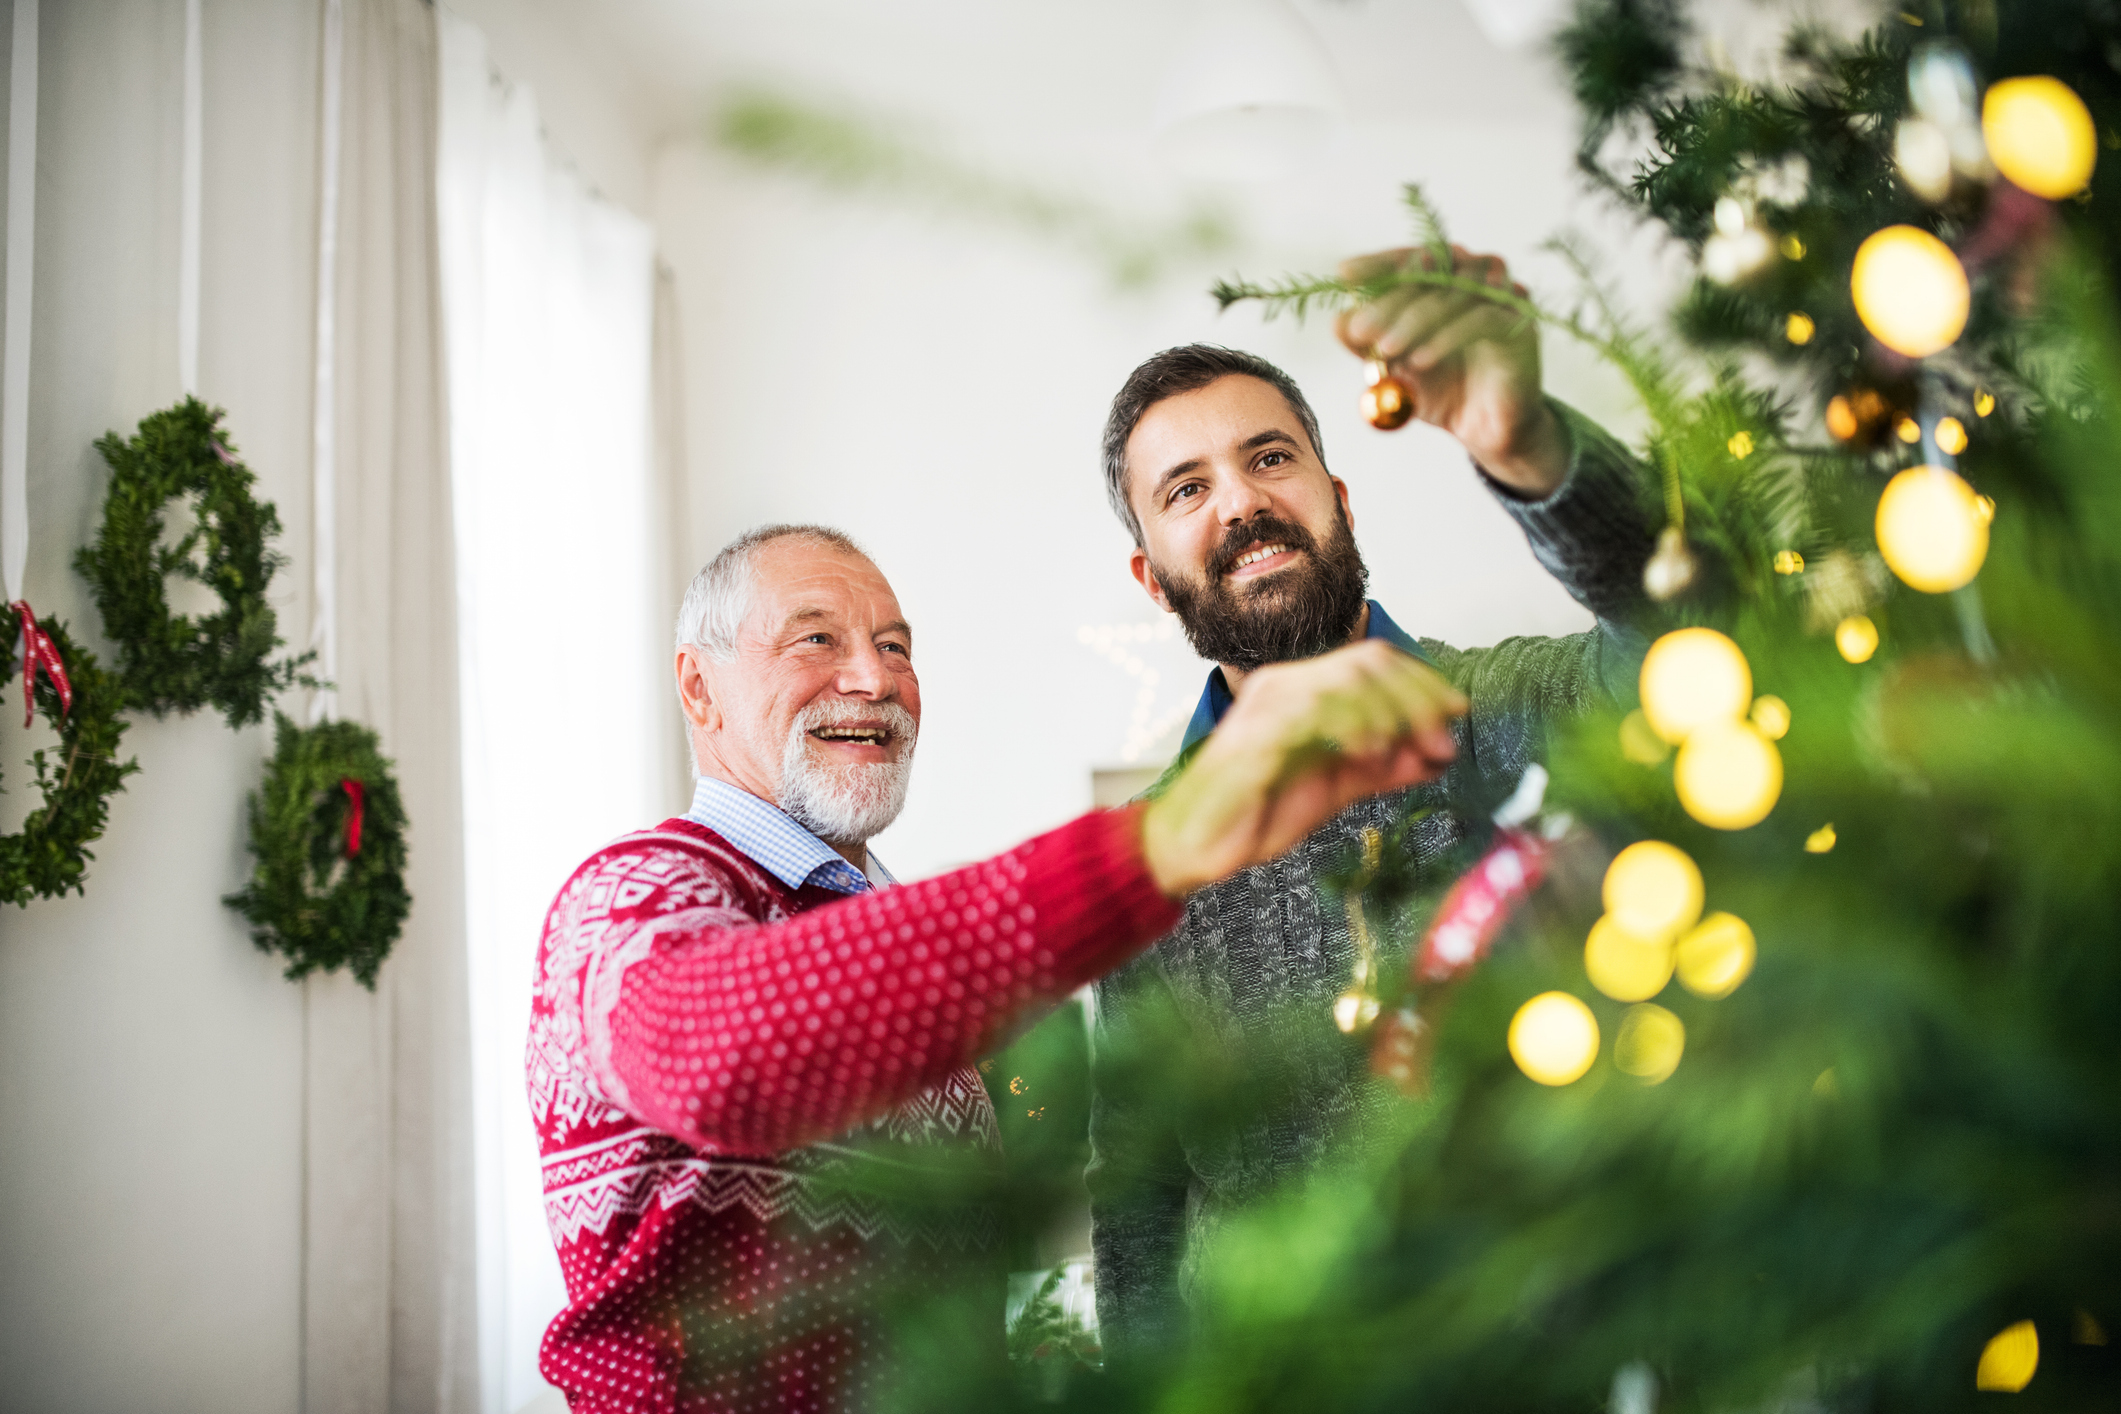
(769, 838)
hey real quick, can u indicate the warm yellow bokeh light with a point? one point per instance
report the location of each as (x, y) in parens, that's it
(1788, 562)
(1985, 507)
(2009, 1359)
(1649, 1043)
(2039, 135)
(1693, 676)
(1625, 967)
(1728, 775)
(1930, 530)
(1799, 328)
(1951, 436)
(1772, 715)
(1740, 445)
(1653, 890)
(1554, 1038)
(1908, 430)
(1857, 638)
(1984, 402)
(1821, 840)
(1910, 291)
(1639, 741)
(1716, 956)
(1792, 249)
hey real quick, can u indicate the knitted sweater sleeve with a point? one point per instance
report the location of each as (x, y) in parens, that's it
(749, 1038)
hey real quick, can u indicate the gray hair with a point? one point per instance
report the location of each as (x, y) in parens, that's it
(720, 595)
(1184, 369)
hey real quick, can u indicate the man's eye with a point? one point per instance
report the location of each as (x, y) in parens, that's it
(1274, 459)
(1189, 489)
(817, 638)
(898, 648)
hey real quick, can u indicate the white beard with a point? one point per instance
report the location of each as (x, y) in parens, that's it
(845, 805)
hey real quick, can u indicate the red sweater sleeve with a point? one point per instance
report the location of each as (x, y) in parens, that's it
(751, 1038)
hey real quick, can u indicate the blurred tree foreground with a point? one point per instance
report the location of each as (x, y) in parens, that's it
(1863, 1151)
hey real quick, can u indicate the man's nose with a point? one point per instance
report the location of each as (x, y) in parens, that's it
(863, 673)
(1240, 499)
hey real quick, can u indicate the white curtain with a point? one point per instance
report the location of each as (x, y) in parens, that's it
(548, 297)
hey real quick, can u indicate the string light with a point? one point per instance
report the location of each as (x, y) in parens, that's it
(1693, 676)
(1649, 1043)
(1623, 966)
(1772, 715)
(1910, 291)
(1740, 445)
(1788, 562)
(1930, 531)
(1908, 430)
(1984, 402)
(1653, 890)
(2009, 1359)
(2040, 135)
(1715, 956)
(1728, 775)
(1554, 1038)
(1799, 328)
(1857, 638)
(1950, 436)
(1792, 249)
(1821, 840)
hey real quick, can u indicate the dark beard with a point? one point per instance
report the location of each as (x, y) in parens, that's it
(1300, 612)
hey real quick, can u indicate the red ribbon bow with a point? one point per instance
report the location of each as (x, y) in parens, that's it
(39, 653)
(356, 793)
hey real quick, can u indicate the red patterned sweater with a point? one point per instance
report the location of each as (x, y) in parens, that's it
(726, 1074)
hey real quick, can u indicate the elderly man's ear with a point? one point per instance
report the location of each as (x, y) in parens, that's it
(695, 693)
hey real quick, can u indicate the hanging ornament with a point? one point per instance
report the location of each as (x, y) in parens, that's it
(1672, 569)
(1355, 1008)
(1931, 530)
(1649, 1043)
(1715, 956)
(1554, 1038)
(1387, 404)
(1739, 247)
(1910, 291)
(2040, 135)
(1728, 775)
(1691, 677)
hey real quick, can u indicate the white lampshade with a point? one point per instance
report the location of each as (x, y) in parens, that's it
(1250, 97)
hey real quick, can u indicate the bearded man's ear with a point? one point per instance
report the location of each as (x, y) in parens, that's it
(1145, 575)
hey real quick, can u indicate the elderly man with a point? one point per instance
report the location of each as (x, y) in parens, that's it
(749, 1059)
(1213, 461)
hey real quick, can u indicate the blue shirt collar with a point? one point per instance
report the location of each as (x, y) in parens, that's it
(769, 838)
(1215, 699)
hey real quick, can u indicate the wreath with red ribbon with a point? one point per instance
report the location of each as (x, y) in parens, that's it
(49, 855)
(328, 832)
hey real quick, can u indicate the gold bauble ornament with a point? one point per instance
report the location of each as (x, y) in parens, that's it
(1649, 1043)
(1653, 890)
(1554, 1038)
(1728, 775)
(1672, 569)
(1931, 530)
(1715, 956)
(1693, 676)
(1623, 966)
(1386, 403)
(1910, 291)
(2040, 135)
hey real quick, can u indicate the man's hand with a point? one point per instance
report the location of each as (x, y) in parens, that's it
(1472, 364)
(1302, 742)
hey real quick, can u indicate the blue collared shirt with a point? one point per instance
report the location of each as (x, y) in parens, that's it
(1215, 699)
(784, 849)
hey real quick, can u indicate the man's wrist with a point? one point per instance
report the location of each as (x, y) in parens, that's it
(1536, 461)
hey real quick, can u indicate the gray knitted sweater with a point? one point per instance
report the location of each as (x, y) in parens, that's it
(1266, 946)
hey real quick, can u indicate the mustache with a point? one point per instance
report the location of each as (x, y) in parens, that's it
(1265, 529)
(842, 711)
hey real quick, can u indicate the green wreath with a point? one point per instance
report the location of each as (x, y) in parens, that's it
(328, 832)
(170, 660)
(49, 854)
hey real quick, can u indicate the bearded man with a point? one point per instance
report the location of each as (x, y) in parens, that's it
(749, 1058)
(1212, 459)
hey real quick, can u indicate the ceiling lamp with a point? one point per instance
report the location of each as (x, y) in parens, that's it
(1251, 96)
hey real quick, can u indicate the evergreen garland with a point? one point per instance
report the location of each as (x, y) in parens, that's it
(49, 855)
(308, 899)
(172, 661)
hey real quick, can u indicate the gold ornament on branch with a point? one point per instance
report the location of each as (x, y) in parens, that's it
(1386, 403)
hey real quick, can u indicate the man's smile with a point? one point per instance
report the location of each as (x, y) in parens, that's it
(867, 741)
(1262, 559)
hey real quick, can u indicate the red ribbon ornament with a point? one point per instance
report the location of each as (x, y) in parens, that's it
(40, 654)
(1479, 904)
(357, 794)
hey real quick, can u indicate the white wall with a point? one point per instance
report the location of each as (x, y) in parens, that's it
(936, 387)
(150, 1205)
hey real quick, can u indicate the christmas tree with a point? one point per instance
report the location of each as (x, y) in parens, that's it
(1805, 1095)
